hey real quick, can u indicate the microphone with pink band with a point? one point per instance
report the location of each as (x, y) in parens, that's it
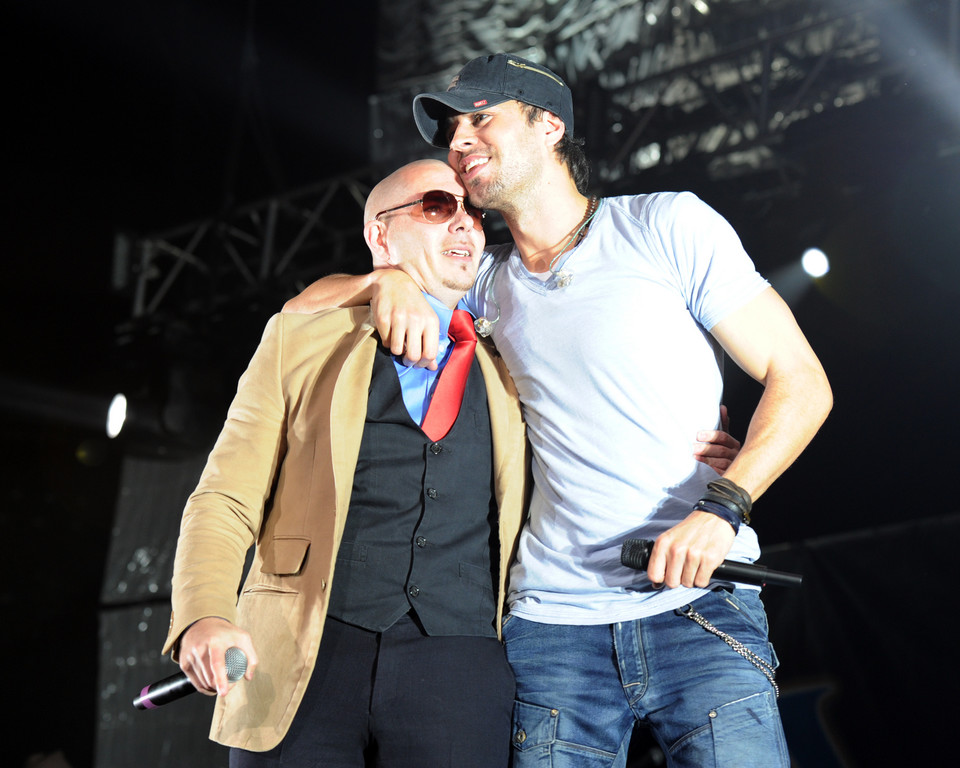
(177, 686)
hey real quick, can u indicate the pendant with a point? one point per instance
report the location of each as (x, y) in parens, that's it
(484, 327)
(564, 278)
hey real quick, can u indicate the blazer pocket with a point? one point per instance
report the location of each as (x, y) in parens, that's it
(284, 555)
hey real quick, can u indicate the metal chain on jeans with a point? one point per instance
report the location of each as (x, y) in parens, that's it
(759, 662)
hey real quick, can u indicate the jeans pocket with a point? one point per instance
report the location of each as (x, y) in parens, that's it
(533, 726)
(741, 624)
(750, 609)
(747, 602)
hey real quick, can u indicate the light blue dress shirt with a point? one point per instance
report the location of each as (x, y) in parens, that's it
(417, 384)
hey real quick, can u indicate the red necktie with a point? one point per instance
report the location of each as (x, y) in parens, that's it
(448, 394)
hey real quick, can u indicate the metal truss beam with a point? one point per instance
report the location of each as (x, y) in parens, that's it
(732, 106)
(269, 247)
(656, 84)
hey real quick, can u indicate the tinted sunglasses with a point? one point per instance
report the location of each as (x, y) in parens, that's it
(438, 207)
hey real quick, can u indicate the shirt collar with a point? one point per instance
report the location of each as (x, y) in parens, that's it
(444, 313)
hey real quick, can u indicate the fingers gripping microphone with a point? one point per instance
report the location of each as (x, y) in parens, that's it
(177, 686)
(635, 554)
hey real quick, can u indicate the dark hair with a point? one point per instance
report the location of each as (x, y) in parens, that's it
(569, 151)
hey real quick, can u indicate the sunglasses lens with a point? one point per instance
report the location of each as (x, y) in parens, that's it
(439, 206)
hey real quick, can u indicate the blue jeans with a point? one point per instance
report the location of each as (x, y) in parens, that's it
(581, 689)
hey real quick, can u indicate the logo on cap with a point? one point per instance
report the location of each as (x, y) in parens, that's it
(480, 103)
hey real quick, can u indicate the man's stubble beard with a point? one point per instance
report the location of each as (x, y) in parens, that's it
(488, 195)
(505, 191)
(461, 282)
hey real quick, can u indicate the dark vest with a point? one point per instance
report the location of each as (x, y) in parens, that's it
(421, 533)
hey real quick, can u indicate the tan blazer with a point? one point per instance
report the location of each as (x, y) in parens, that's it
(280, 475)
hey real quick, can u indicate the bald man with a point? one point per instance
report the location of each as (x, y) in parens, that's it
(370, 616)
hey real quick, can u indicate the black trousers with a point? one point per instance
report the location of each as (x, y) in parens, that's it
(398, 699)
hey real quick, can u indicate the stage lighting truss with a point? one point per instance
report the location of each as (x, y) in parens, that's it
(270, 248)
(658, 86)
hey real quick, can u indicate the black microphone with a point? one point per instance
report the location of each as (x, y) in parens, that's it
(635, 553)
(177, 686)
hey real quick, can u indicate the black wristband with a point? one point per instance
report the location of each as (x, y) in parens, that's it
(731, 515)
(731, 495)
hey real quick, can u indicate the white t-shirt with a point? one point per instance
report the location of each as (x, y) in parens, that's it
(617, 373)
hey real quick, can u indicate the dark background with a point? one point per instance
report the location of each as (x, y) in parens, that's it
(126, 116)
(142, 115)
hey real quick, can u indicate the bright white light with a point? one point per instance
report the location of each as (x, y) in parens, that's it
(116, 415)
(701, 6)
(647, 157)
(815, 262)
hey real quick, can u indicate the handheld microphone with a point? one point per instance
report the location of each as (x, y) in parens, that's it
(177, 686)
(635, 554)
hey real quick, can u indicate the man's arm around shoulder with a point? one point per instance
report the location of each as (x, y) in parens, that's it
(405, 321)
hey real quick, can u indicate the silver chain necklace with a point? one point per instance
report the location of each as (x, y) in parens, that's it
(564, 276)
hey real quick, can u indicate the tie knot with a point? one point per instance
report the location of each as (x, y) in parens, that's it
(461, 326)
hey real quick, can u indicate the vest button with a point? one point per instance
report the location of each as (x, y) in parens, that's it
(413, 591)
(421, 541)
(432, 493)
(435, 448)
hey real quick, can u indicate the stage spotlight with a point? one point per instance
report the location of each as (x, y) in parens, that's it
(794, 279)
(116, 415)
(177, 408)
(815, 262)
(34, 401)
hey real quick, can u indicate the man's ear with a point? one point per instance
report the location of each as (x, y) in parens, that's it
(375, 235)
(554, 128)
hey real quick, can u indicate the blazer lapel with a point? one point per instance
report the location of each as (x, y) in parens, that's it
(348, 412)
(504, 415)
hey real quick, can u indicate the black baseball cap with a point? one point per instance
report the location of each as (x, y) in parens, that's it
(490, 80)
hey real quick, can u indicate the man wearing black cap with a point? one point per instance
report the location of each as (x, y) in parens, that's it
(612, 315)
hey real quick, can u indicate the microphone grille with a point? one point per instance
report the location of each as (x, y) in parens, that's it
(236, 661)
(635, 553)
